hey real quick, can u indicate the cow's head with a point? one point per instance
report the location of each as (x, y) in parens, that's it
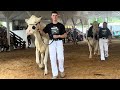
(95, 25)
(33, 24)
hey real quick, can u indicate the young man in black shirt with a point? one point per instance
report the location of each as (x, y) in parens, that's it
(104, 38)
(56, 32)
(29, 40)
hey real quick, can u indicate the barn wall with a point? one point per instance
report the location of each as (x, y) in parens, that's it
(23, 35)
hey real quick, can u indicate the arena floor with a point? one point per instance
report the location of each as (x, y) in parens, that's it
(20, 64)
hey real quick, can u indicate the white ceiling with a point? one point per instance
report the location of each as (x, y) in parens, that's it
(65, 16)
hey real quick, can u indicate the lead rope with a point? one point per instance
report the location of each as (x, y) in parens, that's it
(43, 40)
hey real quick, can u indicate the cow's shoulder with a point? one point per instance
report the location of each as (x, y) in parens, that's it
(90, 33)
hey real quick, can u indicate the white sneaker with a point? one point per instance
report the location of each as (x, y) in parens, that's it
(102, 59)
(54, 77)
(62, 74)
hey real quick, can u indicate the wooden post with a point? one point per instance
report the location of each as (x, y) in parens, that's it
(8, 30)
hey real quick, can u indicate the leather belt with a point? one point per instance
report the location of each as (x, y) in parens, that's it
(56, 39)
(103, 38)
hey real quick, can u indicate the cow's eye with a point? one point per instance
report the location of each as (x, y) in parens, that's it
(33, 27)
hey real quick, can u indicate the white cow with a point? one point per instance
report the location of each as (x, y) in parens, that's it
(41, 41)
(92, 39)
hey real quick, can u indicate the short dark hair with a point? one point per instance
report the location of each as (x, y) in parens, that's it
(54, 12)
(105, 22)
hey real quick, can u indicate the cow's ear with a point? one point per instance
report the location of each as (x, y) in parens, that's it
(26, 20)
(39, 19)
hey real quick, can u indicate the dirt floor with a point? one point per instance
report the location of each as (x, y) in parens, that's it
(20, 64)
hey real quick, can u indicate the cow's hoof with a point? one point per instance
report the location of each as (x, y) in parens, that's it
(90, 56)
(41, 67)
(46, 72)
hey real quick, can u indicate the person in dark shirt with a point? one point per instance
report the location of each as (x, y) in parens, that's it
(56, 32)
(29, 40)
(75, 35)
(104, 37)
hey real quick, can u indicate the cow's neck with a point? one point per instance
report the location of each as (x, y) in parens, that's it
(93, 30)
(37, 37)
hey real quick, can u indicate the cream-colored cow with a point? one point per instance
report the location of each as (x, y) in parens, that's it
(92, 39)
(41, 41)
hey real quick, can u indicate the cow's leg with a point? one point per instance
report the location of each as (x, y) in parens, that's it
(41, 65)
(0, 48)
(90, 50)
(37, 57)
(98, 49)
(95, 47)
(0, 45)
(45, 61)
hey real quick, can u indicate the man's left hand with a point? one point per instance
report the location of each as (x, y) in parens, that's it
(56, 36)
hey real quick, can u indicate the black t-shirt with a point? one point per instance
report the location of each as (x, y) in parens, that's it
(54, 29)
(104, 32)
